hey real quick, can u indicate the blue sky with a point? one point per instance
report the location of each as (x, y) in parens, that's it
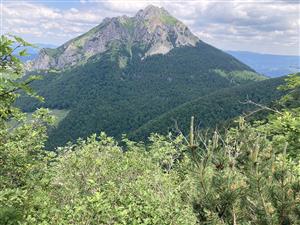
(266, 26)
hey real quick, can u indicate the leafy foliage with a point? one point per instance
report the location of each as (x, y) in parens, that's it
(117, 188)
(246, 179)
(22, 155)
(293, 87)
(250, 175)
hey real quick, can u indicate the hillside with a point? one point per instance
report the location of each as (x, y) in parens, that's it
(103, 97)
(131, 81)
(213, 109)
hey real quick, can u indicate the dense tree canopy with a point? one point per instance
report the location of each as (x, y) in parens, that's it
(101, 96)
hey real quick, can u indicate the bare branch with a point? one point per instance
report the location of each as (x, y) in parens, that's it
(261, 107)
(179, 131)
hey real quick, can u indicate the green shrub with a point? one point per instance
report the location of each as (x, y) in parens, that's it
(96, 182)
(244, 178)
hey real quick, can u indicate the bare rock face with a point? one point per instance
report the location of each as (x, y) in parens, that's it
(43, 62)
(153, 29)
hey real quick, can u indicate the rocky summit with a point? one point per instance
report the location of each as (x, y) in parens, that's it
(152, 30)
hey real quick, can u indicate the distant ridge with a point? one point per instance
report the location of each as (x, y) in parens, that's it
(268, 64)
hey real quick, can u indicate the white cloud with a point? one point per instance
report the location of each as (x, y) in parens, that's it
(257, 25)
(232, 24)
(125, 6)
(39, 23)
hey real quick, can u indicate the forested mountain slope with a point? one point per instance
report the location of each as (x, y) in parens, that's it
(213, 109)
(101, 96)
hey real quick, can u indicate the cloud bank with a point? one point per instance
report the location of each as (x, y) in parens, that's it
(271, 26)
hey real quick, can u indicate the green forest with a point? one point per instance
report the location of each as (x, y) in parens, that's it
(134, 95)
(248, 173)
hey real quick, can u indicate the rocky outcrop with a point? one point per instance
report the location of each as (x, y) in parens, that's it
(153, 29)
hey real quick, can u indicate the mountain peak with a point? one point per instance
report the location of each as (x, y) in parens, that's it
(153, 8)
(152, 29)
(156, 15)
(150, 10)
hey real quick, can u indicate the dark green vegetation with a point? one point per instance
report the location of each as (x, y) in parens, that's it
(249, 175)
(101, 96)
(213, 109)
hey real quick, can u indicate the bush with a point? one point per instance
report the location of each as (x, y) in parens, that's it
(97, 182)
(244, 178)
